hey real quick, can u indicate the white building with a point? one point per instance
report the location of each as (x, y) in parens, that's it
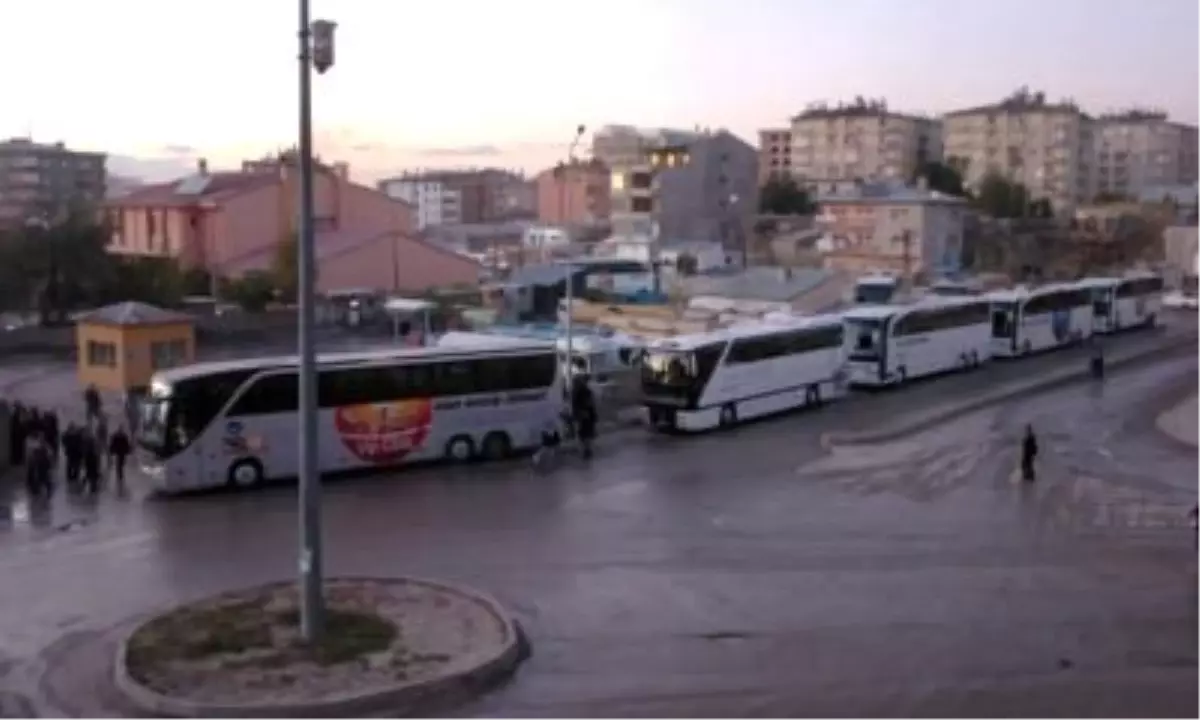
(1045, 146)
(436, 203)
(1136, 151)
(862, 140)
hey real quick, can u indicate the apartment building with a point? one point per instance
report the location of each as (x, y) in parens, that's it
(708, 194)
(452, 197)
(43, 181)
(774, 154)
(862, 140)
(1046, 146)
(1137, 150)
(889, 228)
(574, 194)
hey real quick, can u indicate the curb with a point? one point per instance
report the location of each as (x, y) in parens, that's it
(458, 683)
(831, 440)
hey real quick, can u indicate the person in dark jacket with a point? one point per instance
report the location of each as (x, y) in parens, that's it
(91, 462)
(119, 448)
(1097, 361)
(1029, 451)
(72, 443)
(583, 412)
(1194, 520)
(51, 430)
(37, 468)
(17, 434)
(91, 401)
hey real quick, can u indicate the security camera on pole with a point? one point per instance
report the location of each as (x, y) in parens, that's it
(316, 48)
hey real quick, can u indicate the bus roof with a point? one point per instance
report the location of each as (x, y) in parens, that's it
(743, 330)
(200, 369)
(1024, 293)
(880, 312)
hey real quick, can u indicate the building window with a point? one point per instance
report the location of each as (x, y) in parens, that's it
(167, 354)
(100, 354)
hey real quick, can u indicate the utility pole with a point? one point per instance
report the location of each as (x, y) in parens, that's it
(316, 50)
(570, 267)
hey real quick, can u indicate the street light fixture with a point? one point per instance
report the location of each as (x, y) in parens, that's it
(316, 50)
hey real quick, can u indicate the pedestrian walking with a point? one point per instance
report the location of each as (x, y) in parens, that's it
(1029, 451)
(119, 448)
(100, 429)
(583, 412)
(51, 431)
(1097, 361)
(17, 434)
(37, 471)
(91, 401)
(91, 463)
(72, 442)
(1195, 525)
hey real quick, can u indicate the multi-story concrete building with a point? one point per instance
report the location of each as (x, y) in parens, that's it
(451, 197)
(774, 154)
(708, 194)
(1045, 146)
(862, 140)
(885, 228)
(44, 181)
(435, 201)
(1138, 150)
(577, 194)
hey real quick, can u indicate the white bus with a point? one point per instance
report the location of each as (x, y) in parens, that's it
(699, 382)
(1051, 316)
(1124, 303)
(892, 344)
(235, 423)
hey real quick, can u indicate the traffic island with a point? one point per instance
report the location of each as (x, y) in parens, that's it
(394, 646)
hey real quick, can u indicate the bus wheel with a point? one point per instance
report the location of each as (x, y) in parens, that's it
(728, 415)
(460, 449)
(245, 473)
(496, 446)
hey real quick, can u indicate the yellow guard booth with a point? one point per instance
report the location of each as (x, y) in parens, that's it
(120, 346)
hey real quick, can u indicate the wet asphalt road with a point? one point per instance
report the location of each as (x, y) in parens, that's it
(739, 573)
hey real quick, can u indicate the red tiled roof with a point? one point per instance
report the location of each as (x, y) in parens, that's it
(221, 185)
(328, 244)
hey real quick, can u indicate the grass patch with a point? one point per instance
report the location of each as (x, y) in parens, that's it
(248, 634)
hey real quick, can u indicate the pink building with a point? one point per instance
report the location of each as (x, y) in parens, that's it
(576, 194)
(233, 222)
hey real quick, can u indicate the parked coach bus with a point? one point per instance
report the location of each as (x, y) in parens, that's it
(235, 423)
(891, 344)
(1048, 317)
(708, 380)
(1125, 303)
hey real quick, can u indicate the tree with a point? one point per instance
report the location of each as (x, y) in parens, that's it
(1002, 198)
(252, 292)
(285, 271)
(55, 268)
(784, 197)
(944, 177)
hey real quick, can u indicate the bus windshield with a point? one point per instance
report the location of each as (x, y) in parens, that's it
(173, 416)
(668, 372)
(874, 293)
(1003, 319)
(866, 338)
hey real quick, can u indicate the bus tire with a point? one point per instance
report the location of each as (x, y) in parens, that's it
(496, 446)
(460, 449)
(245, 473)
(728, 415)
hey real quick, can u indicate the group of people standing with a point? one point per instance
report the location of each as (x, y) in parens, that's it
(37, 440)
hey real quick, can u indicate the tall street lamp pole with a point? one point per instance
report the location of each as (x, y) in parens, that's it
(570, 266)
(316, 49)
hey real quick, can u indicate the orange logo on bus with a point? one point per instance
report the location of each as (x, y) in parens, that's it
(384, 433)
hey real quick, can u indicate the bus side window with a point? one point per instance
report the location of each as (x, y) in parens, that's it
(456, 377)
(269, 394)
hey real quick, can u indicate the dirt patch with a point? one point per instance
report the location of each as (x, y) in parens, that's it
(246, 646)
